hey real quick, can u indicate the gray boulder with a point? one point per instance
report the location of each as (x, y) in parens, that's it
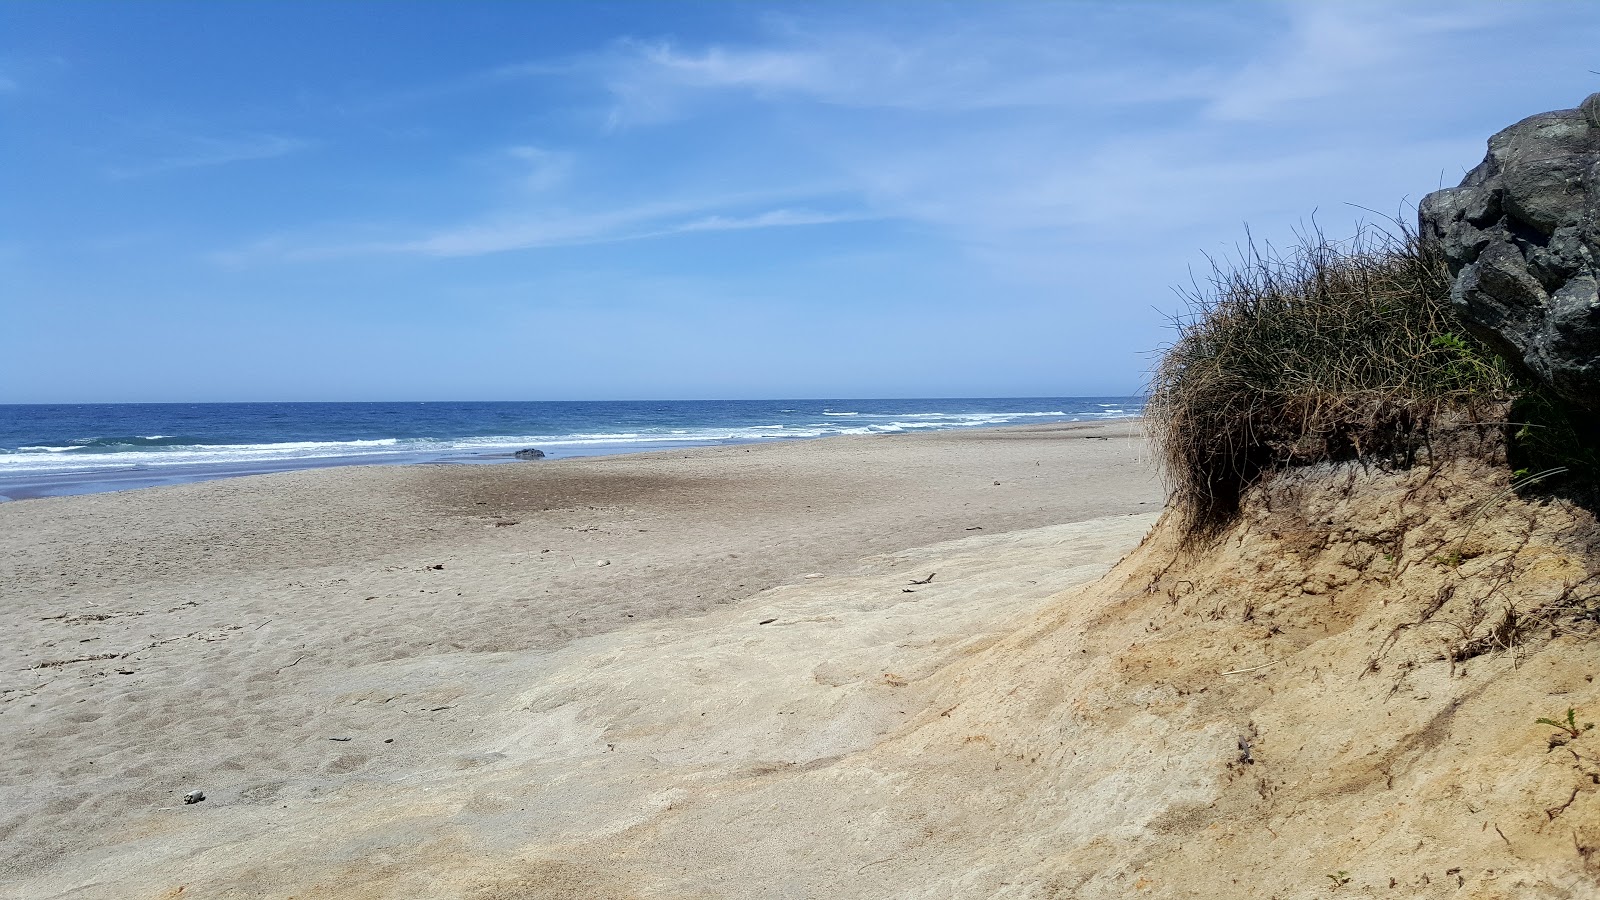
(1522, 236)
(529, 453)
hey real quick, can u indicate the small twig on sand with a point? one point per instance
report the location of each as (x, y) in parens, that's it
(56, 663)
(290, 665)
(876, 862)
(1253, 668)
(928, 580)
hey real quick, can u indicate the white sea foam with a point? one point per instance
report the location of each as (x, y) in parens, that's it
(88, 456)
(45, 459)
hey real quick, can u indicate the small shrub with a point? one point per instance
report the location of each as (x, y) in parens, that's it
(1335, 350)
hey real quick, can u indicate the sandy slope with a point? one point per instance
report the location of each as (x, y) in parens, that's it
(244, 625)
(1326, 702)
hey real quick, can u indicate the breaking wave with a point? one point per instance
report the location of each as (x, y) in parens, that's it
(661, 426)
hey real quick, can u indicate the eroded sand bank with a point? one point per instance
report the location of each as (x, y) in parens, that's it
(419, 681)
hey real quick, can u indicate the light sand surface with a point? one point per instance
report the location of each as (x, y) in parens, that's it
(418, 681)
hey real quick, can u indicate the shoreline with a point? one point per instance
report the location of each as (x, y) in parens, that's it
(30, 486)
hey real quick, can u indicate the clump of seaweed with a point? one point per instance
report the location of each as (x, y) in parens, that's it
(1330, 351)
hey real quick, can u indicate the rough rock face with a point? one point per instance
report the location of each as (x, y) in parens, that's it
(1522, 234)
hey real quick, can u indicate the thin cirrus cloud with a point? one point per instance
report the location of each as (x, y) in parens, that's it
(1327, 52)
(776, 218)
(1032, 58)
(1069, 135)
(550, 228)
(542, 169)
(196, 152)
(600, 228)
(652, 82)
(939, 66)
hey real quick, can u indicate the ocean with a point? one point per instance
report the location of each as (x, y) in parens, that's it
(52, 450)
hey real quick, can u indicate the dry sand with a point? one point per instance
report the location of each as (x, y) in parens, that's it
(421, 681)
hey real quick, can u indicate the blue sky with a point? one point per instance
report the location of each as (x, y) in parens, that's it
(365, 201)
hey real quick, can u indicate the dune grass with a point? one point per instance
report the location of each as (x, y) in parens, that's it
(1331, 350)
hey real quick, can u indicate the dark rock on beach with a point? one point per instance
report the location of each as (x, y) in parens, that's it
(1522, 235)
(529, 453)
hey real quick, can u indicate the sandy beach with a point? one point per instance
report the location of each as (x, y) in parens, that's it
(397, 681)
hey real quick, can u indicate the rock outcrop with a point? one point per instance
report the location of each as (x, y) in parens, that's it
(530, 453)
(1522, 236)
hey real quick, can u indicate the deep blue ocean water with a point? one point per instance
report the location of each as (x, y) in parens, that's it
(48, 450)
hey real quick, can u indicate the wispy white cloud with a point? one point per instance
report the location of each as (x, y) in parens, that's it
(196, 152)
(544, 169)
(775, 218)
(1034, 57)
(507, 232)
(529, 230)
(1012, 57)
(593, 228)
(1330, 51)
(1075, 130)
(759, 68)
(656, 81)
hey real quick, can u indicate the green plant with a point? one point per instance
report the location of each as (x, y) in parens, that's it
(1570, 726)
(1332, 351)
(1339, 879)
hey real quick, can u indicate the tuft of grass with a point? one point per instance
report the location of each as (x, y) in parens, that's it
(1332, 350)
